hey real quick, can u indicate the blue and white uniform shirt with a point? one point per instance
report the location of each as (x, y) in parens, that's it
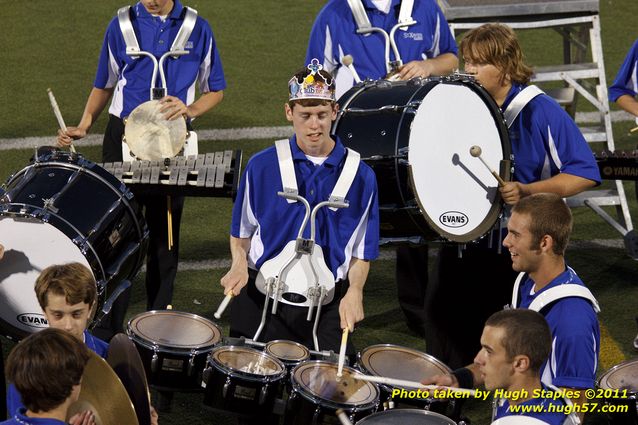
(575, 333)
(546, 141)
(131, 78)
(626, 81)
(334, 35)
(538, 408)
(271, 222)
(21, 418)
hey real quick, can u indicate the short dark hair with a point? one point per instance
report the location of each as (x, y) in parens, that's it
(526, 333)
(73, 280)
(549, 215)
(45, 366)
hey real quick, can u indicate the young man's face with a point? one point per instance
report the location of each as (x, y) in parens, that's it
(71, 318)
(312, 127)
(489, 76)
(518, 241)
(494, 365)
(158, 7)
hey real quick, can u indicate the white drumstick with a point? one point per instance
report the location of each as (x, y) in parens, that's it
(347, 61)
(475, 151)
(409, 384)
(223, 305)
(58, 115)
(342, 351)
(343, 418)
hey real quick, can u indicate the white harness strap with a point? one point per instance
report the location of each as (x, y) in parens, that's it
(519, 102)
(554, 294)
(363, 22)
(286, 168)
(132, 46)
(185, 30)
(346, 177)
(124, 19)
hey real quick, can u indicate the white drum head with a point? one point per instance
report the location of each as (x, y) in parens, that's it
(152, 137)
(30, 246)
(518, 420)
(455, 191)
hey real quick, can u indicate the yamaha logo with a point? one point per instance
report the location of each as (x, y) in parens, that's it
(453, 219)
(33, 320)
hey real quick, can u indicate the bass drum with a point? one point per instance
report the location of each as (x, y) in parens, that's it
(416, 135)
(59, 209)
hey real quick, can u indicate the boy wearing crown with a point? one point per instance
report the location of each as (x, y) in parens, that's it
(263, 222)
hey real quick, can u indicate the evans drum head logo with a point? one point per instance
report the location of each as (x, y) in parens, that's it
(33, 320)
(453, 219)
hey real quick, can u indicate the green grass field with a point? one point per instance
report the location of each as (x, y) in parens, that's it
(55, 43)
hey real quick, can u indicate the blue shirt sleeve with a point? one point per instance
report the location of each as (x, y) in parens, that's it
(108, 69)
(14, 400)
(211, 71)
(626, 82)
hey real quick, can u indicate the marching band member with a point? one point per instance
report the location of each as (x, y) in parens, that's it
(127, 80)
(263, 222)
(46, 368)
(514, 346)
(550, 155)
(538, 234)
(426, 48)
(624, 89)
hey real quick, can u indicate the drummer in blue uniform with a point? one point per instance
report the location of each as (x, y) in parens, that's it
(47, 369)
(263, 223)
(624, 89)
(127, 80)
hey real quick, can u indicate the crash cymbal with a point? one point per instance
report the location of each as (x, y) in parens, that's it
(152, 137)
(103, 393)
(127, 364)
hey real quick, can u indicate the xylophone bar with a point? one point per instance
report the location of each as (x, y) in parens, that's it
(214, 174)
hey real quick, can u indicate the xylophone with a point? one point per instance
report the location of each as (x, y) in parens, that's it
(214, 174)
(618, 165)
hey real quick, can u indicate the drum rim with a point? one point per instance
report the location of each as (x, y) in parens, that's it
(287, 359)
(350, 407)
(495, 211)
(388, 388)
(604, 377)
(162, 347)
(233, 372)
(419, 412)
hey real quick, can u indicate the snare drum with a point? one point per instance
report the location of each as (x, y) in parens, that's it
(619, 382)
(316, 395)
(416, 135)
(242, 380)
(173, 346)
(59, 209)
(395, 361)
(406, 417)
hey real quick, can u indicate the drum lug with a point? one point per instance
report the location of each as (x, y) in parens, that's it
(205, 376)
(262, 394)
(191, 364)
(226, 386)
(315, 417)
(154, 361)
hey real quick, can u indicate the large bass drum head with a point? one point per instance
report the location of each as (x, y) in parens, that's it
(457, 194)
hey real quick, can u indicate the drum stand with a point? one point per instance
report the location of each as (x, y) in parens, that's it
(304, 247)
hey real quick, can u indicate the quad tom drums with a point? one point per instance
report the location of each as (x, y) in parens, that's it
(619, 386)
(316, 395)
(395, 361)
(242, 380)
(289, 352)
(416, 135)
(59, 209)
(173, 346)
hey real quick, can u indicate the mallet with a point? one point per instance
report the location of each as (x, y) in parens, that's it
(348, 61)
(475, 151)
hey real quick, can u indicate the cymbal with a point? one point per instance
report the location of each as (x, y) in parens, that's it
(152, 137)
(127, 364)
(103, 393)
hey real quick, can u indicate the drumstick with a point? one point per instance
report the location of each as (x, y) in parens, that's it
(223, 305)
(169, 221)
(410, 384)
(343, 418)
(58, 115)
(475, 151)
(342, 351)
(633, 130)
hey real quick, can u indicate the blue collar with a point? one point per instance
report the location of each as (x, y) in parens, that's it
(142, 13)
(334, 159)
(514, 91)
